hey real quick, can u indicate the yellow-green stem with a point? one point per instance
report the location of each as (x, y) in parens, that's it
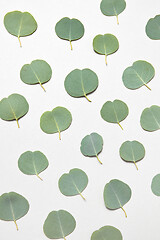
(120, 125)
(106, 59)
(19, 41)
(147, 87)
(82, 196)
(59, 135)
(71, 44)
(42, 87)
(17, 123)
(87, 98)
(117, 19)
(124, 212)
(136, 165)
(39, 177)
(16, 225)
(98, 159)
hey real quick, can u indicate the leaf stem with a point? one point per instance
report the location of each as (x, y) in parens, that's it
(87, 98)
(136, 165)
(64, 238)
(71, 44)
(17, 123)
(106, 59)
(59, 135)
(147, 87)
(82, 196)
(98, 159)
(124, 212)
(19, 41)
(39, 177)
(42, 86)
(120, 125)
(16, 225)
(117, 19)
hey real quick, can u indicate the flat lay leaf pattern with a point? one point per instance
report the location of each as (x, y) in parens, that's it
(139, 74)
(69, 29)
(32, 163)
(91, 145)
(38, 72)
(107, 233)
(153, 28)
(57, 120)
(73, 183)
(13, 206)
(20, 24)
(59, 224)
(116, 194)
(155, 186)
(150, 118)
(13, 108)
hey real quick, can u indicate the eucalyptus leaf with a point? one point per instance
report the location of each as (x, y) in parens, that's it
(153, 28)
(112, 7)
(105, 44)
(59, 224)
(38, 71)
(132, 151)
(73, 183)
(13, 206)
(32, 163)
(150, 118)
(20, 24)
(13, 108)
(91, 145)
(116, 194)
(139, 74)
(69, 29)
(114, 112)
(79, 83)
(155, 186)
(107, 233)
(57, 120)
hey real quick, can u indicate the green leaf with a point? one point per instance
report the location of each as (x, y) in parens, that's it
(59, 224)
(114, 112)
(112, 7)
(107, 233)
(155, 186)
(116, 194)
(105, 44)
(132, 151)
(32, 163)
(150, 118)
(20, 24)
(13, 207)
(69, 29)
(139, 74)
(38, 71)
(73, 183)
(58, 120)
(153, 28)
(91, 145)
(13, 108)
(79, 83)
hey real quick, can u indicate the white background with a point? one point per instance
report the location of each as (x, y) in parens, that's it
(144, 208)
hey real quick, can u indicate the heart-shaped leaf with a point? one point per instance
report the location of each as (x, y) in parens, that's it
(38, 71)
(58, 120)
(91, 145)
(32, 163)
(153, 28)
(112, 7)
(116, 194)
(79, 83)
(105, 44)
(59, 224)
(13, 206)
(107, 233)
(73, 183)
(155, 186)
(150, 118)
(139, 74)
(13, 108)
(114, 112)
(132, 151)
(20, 24)
(69, 29)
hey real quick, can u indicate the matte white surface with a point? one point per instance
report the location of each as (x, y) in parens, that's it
(144, 208)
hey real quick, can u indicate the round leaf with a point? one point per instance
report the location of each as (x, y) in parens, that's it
(79, 83)
(58, 120)
(150, 118)
(114, 112)
(32, 163)
(107, 233)
(69, 29)
(116, 194)
(132, 151)
(153, 28)
(20, 24)
(155, 186)
(105, 44)
(38, 71)
(91, 145)
(13, 207)
(73, 183)
(112, 7)
(13, 108)
(139, 74)
(59, 224)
